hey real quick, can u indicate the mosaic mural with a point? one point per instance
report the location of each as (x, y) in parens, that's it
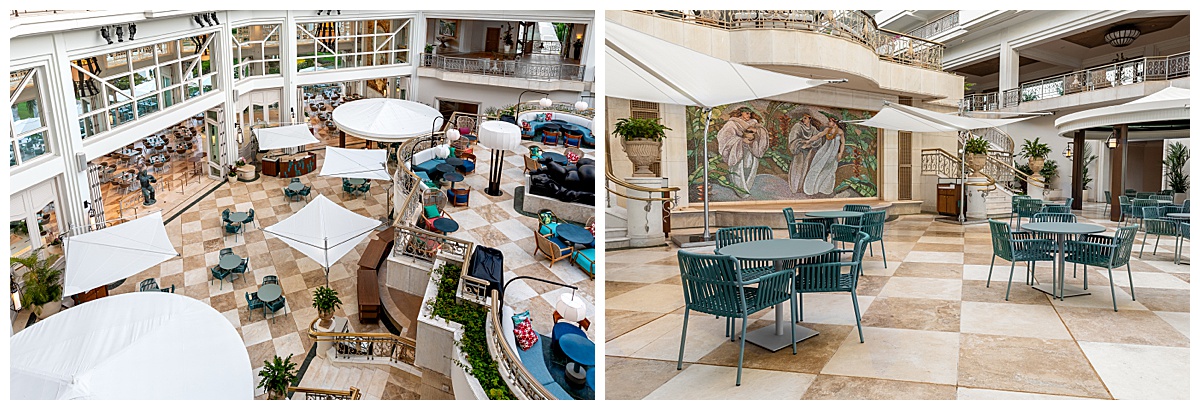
(773, 150)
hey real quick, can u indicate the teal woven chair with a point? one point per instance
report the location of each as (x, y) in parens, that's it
(1107, 200)
(1185, 232)
(1162, 197)
(825, 273)
(855, 208)
(1105, 252)
(270, 279)
(1126, 208)
(1015, 199)
(1153, 224)
(1167, 192)
(364, 188)
(253, 302)
(806, 230)
(225, 215)
(218, 274)
(250, 218)
(148, 285)
(1018, 246)
(347, 188)
(871, 223)
(1144, 195)
(716, 285)
(1053, 217)
(1026, 208)
(1055, 209)
(1068, 203)
(1140, 205)
(275, 306)
(739, 234)
(240, 270)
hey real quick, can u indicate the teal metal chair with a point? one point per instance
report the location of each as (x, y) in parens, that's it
(825, 273)
(806, 230)
(1167, 192)
(1026, 208)
(739, 234)
(1126, 208)
(364, 188)
(855, 208)
(1068, 203)
(148, 285)
(1055, 209)
(250, 218)
(1107, 200)
(1162, 197)
(270, 279)
(1139, 205)
(1105, 252)
(716, 285)
(1053, 217)
(1185, 232)
(1015, 200)
(1144, 195)
(1018, 246)
(253, 302)
(218, 274)
(1153, 224)
(1130, 192)
(871, 223)
(790, 217)
(225, 215)
(275, 306)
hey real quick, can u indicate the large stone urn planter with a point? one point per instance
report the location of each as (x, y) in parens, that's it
(642, 153)
(976, 163)
(49, 309)
(1036, 164)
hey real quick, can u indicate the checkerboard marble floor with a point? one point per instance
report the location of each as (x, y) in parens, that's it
(197, 233)
(932, 329)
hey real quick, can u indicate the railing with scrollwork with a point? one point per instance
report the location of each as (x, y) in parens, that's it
(508, 363)
(1106, 76)
(504, 68)
(369, 346)
(428, 246)
(326, 394)
(935, 27)
(853, 25)
(546, 47)
(938, 162)
(999, 140)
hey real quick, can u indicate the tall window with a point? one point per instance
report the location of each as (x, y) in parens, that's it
(28, 131)
(255, 50)
(119, 87)
(342, 44)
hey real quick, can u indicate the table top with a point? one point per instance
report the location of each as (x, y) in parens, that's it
(1070, 228)
(356, 181)
(573, 233)
(230, 261)
(445, 168)
(295, 186)
(238, 217)
(776, 249)
(453, 176)
(579, 349)
(454, 161)
(1165, 201)
(556, 157)
(1184, 215)
(446, 225)
(270, 292)
(834, 214)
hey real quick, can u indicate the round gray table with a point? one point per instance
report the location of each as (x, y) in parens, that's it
(778, 251)
(556, 157)
(238, 217)
(833, 214)
(453, 161)
(295, 186)
(1061, 230)
(356, 181)
(574, 234)
(270, 292)
(446, 225)
(453, 177)
(230, 261)
(1176, 215)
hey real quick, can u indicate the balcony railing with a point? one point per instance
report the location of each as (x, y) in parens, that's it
(1109, 75)
(504, 68)
(370, 346)
(853, 25)
(508, 363)
(326, 394)
(936, 27)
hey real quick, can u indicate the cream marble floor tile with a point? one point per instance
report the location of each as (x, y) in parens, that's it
(935, 257)
(1100, 297)
(468, 219)
(703, 382)
(927, 288)
(967, 393)
(650, 298)
(705, 333)
(899, 354)
(1012, 319)
(1181, 321)
(515, 257)
(642, 273)
(632, 341)
(289, 344)
(1149, 280)
(1141, 372)
(513, 229)
(830, 308)
(941, 239)
(980, 272)
(256, 333)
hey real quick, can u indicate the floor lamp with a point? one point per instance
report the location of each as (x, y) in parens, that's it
(498, 136)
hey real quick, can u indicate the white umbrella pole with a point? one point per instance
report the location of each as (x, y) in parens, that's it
(704, 188)
(326, 262)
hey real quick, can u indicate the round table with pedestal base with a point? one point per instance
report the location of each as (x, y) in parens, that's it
(1062, 230)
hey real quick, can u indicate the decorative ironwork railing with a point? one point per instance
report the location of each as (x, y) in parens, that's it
(504, 68)
(515, 375)
(853, 25)
(555, 107)
(935, 27)
(546, 47)
(1000, 140)
(1109, 75)
(938, 162)
(326, 394)
(371, 346)
(428, 246)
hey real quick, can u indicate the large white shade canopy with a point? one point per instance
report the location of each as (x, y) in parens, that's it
(287, 136)
(105, 256)
(323, 230)
(385, 119)
(355, 163)
(913, 119)
(1169, 104)
(499, 135)
(133, 346)
(639, 66)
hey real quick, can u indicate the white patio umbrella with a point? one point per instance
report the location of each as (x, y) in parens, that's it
(287, 136)
(385, 119)
(355, 163)
(105, 256)
(639, 66)
(323, 231)
(913, 119)
(141, 345)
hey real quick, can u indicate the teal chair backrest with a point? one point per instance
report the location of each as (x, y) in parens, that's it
(1124, 200)
(1140, 205)
(1057, 209)
(739, 234)
(872, 224)
(1017, 198)
(806, 230)
(1187, 205)
(855, 208)
(1124, 239)
(1161, 197)
(1068, 203)
(1185, 230)
(789, 216)
(823, 273)
(1001, 239)
(1053, 217)
(1026, 207)
(1151, 212)
(712, 284)
(1144, 195)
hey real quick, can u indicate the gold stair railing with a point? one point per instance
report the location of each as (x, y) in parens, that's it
(326, 394)
(508, 363)
(669, 196)
(396, 348)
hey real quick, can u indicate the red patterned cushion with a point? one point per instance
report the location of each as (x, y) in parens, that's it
(525, 335)
(549, 116)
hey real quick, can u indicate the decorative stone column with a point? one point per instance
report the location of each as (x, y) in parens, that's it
(644, 221)
(976, 203)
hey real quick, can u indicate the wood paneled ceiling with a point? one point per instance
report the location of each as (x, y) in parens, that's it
(987, 67)
(1095, 37)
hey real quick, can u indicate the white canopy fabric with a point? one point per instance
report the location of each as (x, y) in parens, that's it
(105, 256)
(913, 119)
(323, 230)
(385, 119)
(499, 135)
(1171, 103)
(355, 163)
(287, 136)
(133, 346)
(642, 67)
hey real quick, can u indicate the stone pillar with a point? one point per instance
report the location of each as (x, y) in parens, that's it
(1009, 67)
(976, 204)
(1077, 172)
(1117, 170)
(643, 222)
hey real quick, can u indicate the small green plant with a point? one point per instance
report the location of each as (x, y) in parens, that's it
(42, 284)
(276, 376)
(1034, 148)
(428, 48)
(1176, 167)
(474, 340)
(640, 129)
(18, 228)
(976, 145)
(1049, 171)
(325, 300)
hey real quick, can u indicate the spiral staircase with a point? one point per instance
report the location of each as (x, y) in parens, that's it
(1000, 169)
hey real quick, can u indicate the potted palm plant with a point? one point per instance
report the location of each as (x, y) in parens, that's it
(42, 291)
(276, 376)
(326, 301)
(1176, 169)
(976, 149)
(642, 140)
(1035, 150)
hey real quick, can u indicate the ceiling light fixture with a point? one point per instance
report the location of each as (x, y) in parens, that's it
(1121, 36)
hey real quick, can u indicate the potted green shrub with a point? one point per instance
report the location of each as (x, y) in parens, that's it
(642, 140)
(276, 376)
(42, 291)
(1176, 169)
(1035, 150)
(326, 301)
(976, 149)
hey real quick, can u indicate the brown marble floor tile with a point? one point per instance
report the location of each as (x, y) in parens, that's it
(264, 351)
(916, 314)
(633, 379)
(492, 213)
(614, 288)
(937, 247)
(224, 302)
(674, 280)
(1162, 300)
(833, 387)
(1136, 327)
(395, 391)
(618, 322)
(974, 291)
(490, 236)
(1028, 365)
(870, 285)
(977, 258)
(811, 354)
(930, 270)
